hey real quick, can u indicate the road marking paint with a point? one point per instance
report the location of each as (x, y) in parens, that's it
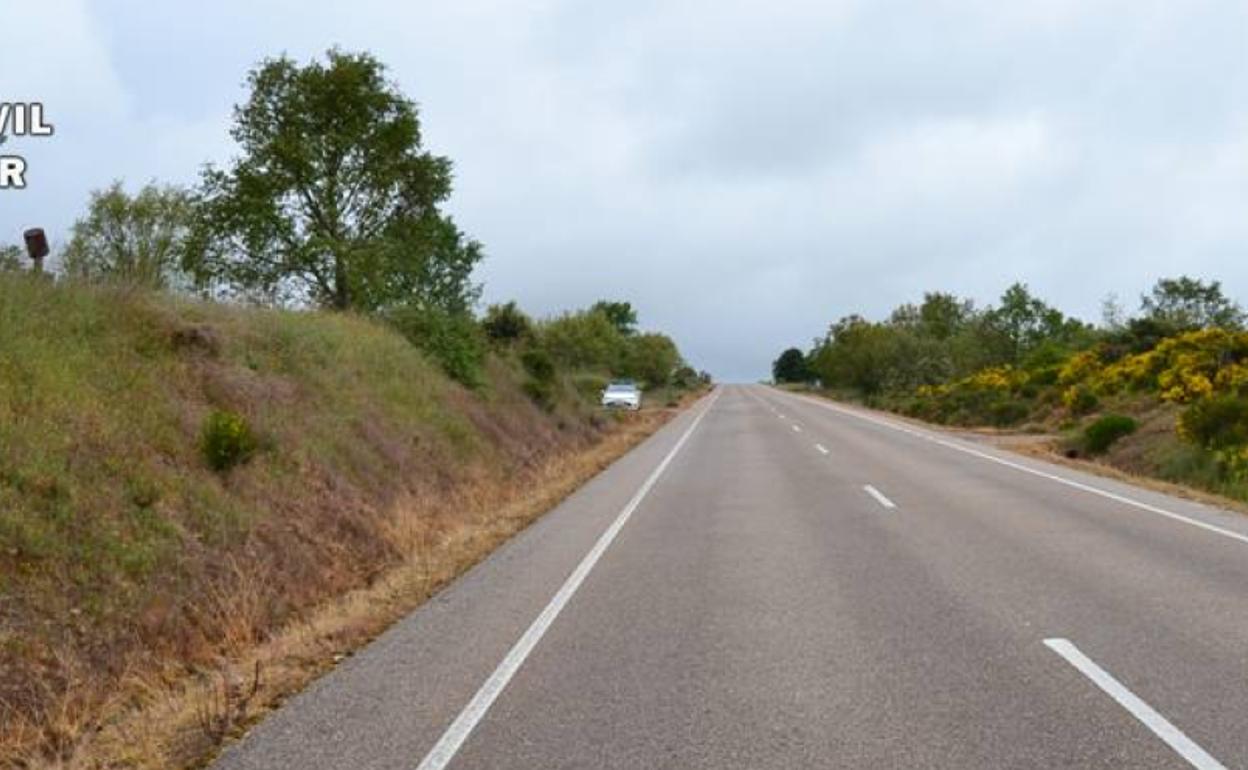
(797, 429)
(1042, 474)
(781, 416)
(879, 496)
(447, 746)
(1161, 727)
(823, 449)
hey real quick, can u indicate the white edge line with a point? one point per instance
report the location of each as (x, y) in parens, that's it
(1161, 727)
(1036, 472)
(879, 496)
(448, 745)
(822, 449)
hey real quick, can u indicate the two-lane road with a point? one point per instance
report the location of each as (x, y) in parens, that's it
(778, 581)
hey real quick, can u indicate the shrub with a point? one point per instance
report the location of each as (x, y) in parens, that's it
(1080, 399)
(452, 339)
(1102, 433)
(541, 383)
(226, 440)
(539, 365)
(1006, 413)
(506, 323)
(1216, 423)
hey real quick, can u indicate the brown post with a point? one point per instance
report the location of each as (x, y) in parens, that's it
(36, 246)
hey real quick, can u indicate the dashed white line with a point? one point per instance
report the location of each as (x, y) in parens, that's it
(1036, 472)
(1161, 727)
(822, 449)
(447, 746)
(879, 496)
(797, 429)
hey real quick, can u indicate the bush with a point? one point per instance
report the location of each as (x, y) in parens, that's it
(226, 440)
(1102, 433)
(541, 370)
(1006, 413)
(452, 339)
(506, 323)
(1080, 399)
(1216, 423)
(539, 365)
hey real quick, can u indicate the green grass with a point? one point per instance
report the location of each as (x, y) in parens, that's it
(114, 523)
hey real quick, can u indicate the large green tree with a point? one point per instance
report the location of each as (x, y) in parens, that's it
(620, 314)
(1183, 303)
(139, 240)
(652, 358)
(332, 199)
(790, 367)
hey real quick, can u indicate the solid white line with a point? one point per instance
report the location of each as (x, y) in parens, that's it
(1173, 736)
(446, 747)
(1036, 472)
(821, 448)
(797, 429)
(879, 497)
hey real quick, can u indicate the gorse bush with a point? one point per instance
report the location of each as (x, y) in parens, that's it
(226, 440)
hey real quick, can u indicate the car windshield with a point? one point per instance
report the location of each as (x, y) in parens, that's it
(617, 388)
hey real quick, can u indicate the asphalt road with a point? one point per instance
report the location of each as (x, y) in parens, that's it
(773, 581)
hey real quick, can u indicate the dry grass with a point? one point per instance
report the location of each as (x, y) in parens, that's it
(171, 718)
(133, 576)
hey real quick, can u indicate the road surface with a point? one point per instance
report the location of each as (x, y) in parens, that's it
(776, 581)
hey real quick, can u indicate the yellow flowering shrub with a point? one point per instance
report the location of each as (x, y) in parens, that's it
(1079, 367)
(993, 378)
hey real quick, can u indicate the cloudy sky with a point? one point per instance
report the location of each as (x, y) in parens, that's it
(743, 172)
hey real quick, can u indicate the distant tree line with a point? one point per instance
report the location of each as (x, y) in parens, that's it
(944, 337)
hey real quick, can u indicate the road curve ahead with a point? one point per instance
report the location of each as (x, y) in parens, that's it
(775, 581)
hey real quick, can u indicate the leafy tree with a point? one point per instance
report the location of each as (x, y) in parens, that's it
(584, 340)
(652, 358)
(790, 367)
(941, 315)
(138, 240)
(1183, 304)
(11, 258)
(857, 354)
(1025, 321)
(506, 323)
(620, 314)
(333, 199)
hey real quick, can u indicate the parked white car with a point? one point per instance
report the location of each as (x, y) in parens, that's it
(622, 395)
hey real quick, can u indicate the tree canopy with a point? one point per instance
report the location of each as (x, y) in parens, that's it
(621, 315)
(1183, 303)
(332, 200)
(790, 367)
(139, 240)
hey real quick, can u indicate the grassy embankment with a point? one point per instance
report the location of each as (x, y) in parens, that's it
(151, 606)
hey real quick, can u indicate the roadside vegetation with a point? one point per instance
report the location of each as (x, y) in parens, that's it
(1161, 392)
(232, 406)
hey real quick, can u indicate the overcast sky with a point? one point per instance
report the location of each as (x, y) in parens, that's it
(744, 173)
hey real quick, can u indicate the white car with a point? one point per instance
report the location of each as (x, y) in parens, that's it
(622, 395)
